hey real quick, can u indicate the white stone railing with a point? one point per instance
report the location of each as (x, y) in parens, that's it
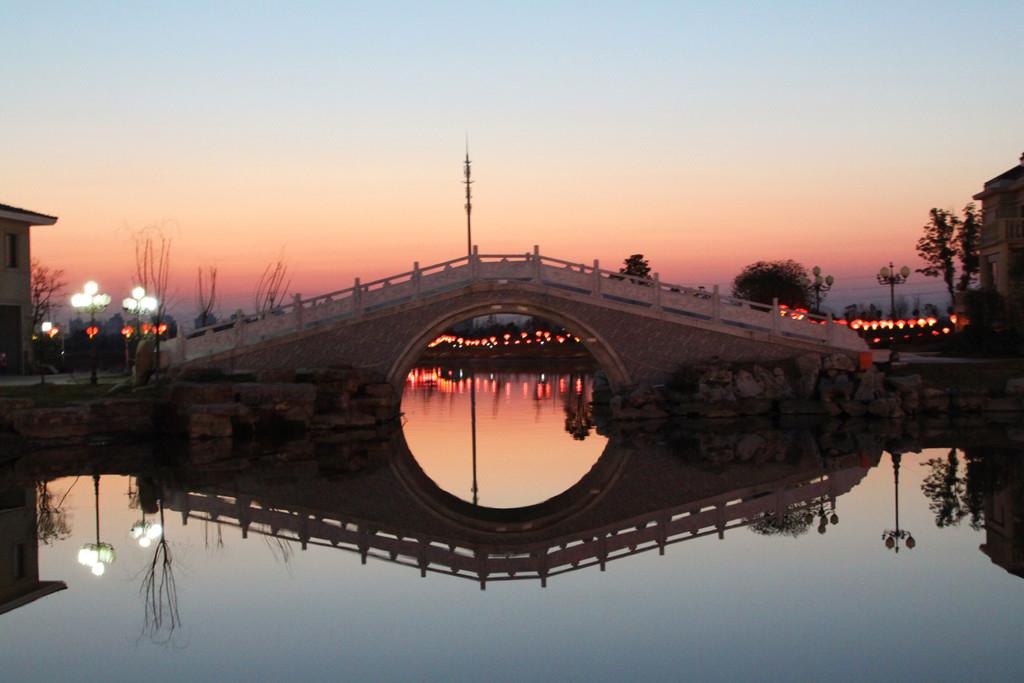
(606, 286)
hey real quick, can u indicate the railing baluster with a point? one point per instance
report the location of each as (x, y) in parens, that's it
(528, 266)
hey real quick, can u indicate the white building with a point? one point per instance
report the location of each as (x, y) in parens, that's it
(1002, 229)
(15, 285)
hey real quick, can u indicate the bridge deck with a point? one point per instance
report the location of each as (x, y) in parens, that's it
(644, 295)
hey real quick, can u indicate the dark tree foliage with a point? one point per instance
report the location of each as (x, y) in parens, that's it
(947, 238)
(637, 266)
(968, 240)
(765, 281)
(938, 247)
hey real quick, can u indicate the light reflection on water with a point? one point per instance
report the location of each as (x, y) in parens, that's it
(287, 595)
(501, 439)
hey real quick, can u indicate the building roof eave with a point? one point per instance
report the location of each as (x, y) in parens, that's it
(23, 216)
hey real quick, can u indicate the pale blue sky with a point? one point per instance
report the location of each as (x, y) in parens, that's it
(704, 135)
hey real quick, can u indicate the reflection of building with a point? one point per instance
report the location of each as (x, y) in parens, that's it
(1002, 231)
(15, 279)
(19, 551)
(1002, 544)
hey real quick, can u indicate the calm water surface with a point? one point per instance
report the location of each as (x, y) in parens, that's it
(499, 536)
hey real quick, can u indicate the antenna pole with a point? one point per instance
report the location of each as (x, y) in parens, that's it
(469, 203)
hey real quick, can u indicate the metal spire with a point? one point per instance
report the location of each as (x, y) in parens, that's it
(469, 202)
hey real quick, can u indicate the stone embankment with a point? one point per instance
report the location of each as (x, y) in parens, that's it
(215, 406)
(812, 385)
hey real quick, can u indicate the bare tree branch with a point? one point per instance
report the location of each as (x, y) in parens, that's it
(272, 286)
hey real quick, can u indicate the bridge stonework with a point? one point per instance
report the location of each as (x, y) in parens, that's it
(640, 330)
(634, 345)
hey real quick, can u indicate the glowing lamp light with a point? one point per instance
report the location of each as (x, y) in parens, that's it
(145, 532)
(96, 556)
(127, 332)
(92, 331)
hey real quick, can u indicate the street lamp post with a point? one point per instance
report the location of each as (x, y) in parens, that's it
(138, 304)
(819, 284)
(889, 276)
(91, 302)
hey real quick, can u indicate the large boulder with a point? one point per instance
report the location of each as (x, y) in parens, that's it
(808, 367)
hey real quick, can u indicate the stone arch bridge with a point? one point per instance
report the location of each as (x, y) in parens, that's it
(639, 330)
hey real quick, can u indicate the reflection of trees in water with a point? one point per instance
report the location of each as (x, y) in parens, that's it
(160, 592)
(950, 497)
(791, 523)
(51, 518)
(281, 550)
(215, 531)
(796, 520)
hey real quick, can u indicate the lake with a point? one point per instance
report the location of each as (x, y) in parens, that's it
(504, 532)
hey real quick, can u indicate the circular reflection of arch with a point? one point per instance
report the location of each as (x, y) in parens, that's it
(510, 521)
(596, 345)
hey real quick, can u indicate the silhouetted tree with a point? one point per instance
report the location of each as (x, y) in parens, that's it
(948, 237)
(968, 240)
(938, 247)
(272, 285)
(47, 285)
(765, 281)
(206, 295)
(152, 271)
(637, 266)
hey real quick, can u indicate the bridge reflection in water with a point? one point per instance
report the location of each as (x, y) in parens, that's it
(637, 498)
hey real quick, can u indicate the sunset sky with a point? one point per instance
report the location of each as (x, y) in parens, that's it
(705, 136)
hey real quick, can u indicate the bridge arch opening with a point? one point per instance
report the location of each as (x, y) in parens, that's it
(512, 521)
(603, 355)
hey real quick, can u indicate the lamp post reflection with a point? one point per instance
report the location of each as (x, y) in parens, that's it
(892, 537)
(145, 532)
(96, 555)
(824, 519)
(472, 414)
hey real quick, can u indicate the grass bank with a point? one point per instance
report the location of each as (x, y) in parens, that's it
(53, 395)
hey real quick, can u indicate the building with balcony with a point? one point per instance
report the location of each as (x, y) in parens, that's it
(16, 284)
(1002, 230)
